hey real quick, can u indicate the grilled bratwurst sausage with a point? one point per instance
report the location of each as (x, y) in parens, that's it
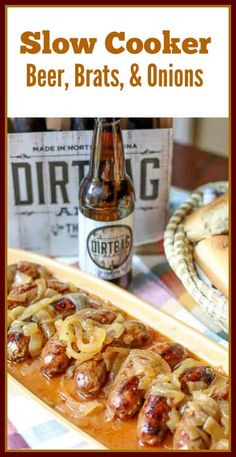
(33, 270)
(188, 437)
(20, 346)
(135, 335)
(17, 347)
(64, 306)
(154, 413)
(189, 434)
(54, 359)
(125, 398)
(28, 293)
(172, 353)
(90, 376)
(69, 304)
(153, 416)
(22, 295)
(152, 428)
(196, 374)
(61, 287)
(102, 316)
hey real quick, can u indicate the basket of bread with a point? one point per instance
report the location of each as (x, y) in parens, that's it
(196, 243)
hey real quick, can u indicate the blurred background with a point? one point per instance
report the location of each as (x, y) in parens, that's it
(209, 134)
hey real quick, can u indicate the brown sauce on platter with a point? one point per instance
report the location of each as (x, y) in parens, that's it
(115, 434)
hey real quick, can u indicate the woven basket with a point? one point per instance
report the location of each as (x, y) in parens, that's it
(179, 250)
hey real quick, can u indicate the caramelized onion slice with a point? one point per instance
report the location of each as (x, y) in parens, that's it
(13, 314)
(174, 418)
(35, 344)
(79, 356)
(198, 385)
(88, 342)
(213, 428)
(147, 364)
(95, 342)
(204, 406)
(113, 358)
(218, 384)
(18, 298)
(224, 409)
(77, 408)
(169, 391)
(33, 309)
(85, 408)
(67, 328)
(30, 328)
(222, 444)
(21, 279)
(46, 319)
(41, 283)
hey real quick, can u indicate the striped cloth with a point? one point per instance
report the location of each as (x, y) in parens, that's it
(154, 282)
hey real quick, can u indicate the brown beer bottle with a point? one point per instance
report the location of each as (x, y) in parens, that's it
(106, 202)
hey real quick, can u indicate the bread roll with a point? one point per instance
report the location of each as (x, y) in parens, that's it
(212, 256)
(211, 219)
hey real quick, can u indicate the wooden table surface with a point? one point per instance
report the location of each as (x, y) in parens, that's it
(193, 167)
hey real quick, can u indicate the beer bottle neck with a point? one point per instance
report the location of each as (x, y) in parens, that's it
(107, 161)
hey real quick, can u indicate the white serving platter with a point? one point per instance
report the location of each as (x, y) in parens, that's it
(203, 347)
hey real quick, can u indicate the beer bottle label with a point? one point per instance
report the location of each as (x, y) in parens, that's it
(105, 248)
